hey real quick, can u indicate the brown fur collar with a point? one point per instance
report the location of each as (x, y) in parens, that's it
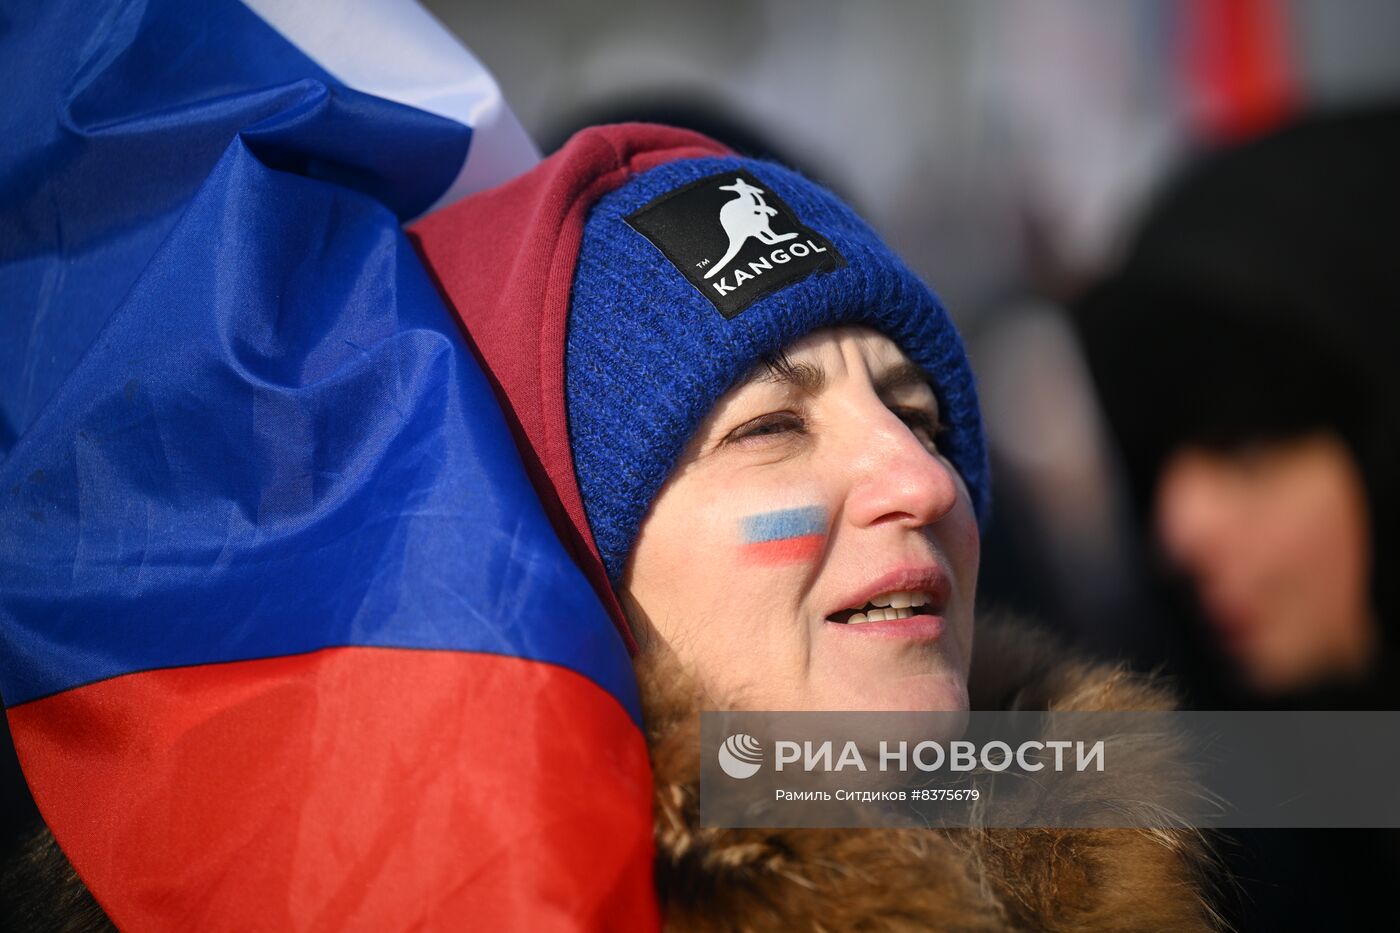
(896, 879)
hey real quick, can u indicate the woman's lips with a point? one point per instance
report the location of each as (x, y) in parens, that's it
(925, 627)
(927, 578)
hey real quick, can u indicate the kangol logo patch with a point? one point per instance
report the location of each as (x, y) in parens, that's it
(733, 239)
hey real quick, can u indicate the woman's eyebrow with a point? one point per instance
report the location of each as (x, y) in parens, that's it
(805, 377)
(811, 379)
(901, 376)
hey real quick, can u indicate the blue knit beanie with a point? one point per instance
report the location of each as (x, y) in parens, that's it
(694, 271)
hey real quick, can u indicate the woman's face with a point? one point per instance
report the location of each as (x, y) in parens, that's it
(1276, 540)
(813, 549)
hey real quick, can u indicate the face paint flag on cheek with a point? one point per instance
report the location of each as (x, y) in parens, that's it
(784, 536)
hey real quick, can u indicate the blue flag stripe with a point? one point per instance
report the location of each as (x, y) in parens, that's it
(240, 422)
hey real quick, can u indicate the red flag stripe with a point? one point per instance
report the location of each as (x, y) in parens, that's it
(349, 788)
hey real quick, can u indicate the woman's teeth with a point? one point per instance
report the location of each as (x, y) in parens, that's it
(886, 606)
(880, 615)
(901, 599)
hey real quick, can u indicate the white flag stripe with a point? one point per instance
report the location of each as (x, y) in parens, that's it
(395, 49)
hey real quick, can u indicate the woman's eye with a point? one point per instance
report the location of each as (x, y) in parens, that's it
(775, 423)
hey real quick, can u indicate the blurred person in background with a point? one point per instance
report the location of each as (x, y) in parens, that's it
(1243, 354)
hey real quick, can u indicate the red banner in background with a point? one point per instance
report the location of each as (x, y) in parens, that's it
(1236, 66)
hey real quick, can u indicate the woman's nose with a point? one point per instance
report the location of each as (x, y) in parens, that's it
(1192, 511)
(898, 478)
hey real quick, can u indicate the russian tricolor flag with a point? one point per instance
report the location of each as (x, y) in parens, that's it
(784, 536)
(286, 639)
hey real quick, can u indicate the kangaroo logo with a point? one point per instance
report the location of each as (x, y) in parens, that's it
(764, 245)
(747, 215)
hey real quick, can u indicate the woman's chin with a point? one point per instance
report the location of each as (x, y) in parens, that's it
(917, 693)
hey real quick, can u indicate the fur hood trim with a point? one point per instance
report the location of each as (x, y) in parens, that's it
(910, 879)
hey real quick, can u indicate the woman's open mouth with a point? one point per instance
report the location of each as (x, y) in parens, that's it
(898, 614)
(907, 602)
(884, 607)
